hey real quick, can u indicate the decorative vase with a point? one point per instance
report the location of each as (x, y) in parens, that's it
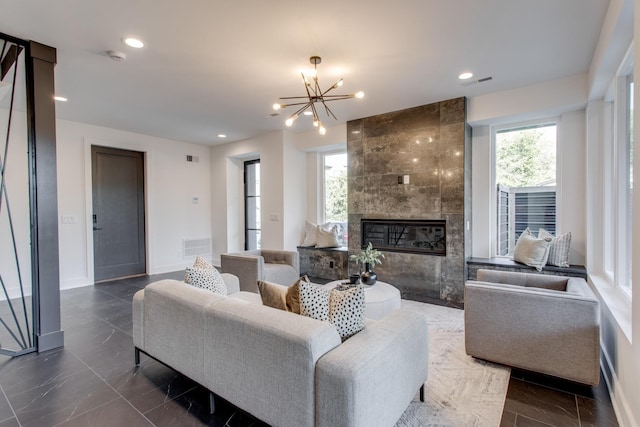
(368, 277)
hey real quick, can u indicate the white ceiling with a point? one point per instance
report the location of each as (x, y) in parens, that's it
(217, 66)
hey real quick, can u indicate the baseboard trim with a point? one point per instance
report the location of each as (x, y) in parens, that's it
(618, 399)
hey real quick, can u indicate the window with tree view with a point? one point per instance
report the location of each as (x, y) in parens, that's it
(525, 175)
(335, 192)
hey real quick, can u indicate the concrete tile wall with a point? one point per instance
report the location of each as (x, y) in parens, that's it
(429, 144)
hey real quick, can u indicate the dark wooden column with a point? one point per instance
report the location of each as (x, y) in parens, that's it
(41, 120)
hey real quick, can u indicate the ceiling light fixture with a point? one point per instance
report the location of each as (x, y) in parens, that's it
(60, 98)
(465, 76)
(222, 135)
(314, 95)
(133, 42)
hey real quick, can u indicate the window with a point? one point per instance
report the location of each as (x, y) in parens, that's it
(252, 233)
(621, 185)
(335, 192)
(525, 178)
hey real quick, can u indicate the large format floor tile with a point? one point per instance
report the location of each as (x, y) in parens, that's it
(93, 381)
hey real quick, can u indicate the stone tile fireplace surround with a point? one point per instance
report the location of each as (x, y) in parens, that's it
(430, 144)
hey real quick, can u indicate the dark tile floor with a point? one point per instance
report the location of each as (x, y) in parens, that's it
(92, 381)
(538, 400)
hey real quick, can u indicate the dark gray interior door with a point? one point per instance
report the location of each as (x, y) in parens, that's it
(118, 213)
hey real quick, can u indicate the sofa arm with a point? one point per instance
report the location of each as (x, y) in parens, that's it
(372, 377)
(138, 319)
(282, 257)
(232, 282)
(248, 269)
(552, 332)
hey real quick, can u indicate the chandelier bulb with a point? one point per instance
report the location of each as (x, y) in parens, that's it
(322, 130)
(277, 106)
(359, 95)
(316, 122)
(340, 83)
(290, 120)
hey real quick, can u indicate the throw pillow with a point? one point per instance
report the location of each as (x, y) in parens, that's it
(310, 234)
(328, 238)
(346, 310)
(293, 295)
(559, 249)
(314, 301)
(281, 297)
(532, 251)
(205, 278)
(202, 263)
(273, 294)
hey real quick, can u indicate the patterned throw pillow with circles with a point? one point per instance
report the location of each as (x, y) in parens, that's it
(206, 276)
(344, 309)
(314, 301)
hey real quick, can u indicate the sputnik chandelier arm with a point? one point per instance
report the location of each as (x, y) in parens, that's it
(314, 95)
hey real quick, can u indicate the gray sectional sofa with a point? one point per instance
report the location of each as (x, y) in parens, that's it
(283, 368)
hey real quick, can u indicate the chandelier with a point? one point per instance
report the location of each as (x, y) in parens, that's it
(314, 95)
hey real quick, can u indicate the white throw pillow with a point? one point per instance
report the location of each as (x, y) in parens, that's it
(532, 251)
(559, 249)
(328, 238)
(310, 234)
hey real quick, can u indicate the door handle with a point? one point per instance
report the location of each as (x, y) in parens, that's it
(97, 228)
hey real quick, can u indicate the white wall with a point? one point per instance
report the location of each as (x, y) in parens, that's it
(170, 184)
(289, 186)
(562, 100)
(282, 187)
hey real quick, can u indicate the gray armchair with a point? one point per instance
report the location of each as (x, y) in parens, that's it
(282, 267)
(542, 323)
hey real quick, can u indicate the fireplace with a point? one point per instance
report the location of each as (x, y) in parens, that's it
(428, 237)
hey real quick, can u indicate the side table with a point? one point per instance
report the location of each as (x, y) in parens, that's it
(379, 299)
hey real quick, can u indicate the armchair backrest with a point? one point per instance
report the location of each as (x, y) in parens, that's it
(557, 283)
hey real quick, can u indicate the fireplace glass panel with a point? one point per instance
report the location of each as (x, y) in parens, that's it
(412, 236)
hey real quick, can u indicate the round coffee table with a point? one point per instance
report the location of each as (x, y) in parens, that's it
(379, 299)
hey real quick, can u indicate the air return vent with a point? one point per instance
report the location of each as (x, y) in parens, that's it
(193, 247)
(475, 82)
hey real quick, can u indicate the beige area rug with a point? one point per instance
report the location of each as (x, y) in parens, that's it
(460, 390)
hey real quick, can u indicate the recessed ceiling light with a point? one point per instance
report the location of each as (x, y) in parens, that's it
(60, 98)
(465, 76)
(307, 113)
(130, 41)
(222, 135)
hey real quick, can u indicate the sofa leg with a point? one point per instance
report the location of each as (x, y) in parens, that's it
(212, 403)
(422, 393)
(137, 356)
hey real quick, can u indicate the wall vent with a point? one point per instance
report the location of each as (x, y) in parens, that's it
(193, 247)
(194, 159)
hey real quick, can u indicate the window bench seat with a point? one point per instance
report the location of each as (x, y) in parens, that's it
(324, 263)
(506, 264)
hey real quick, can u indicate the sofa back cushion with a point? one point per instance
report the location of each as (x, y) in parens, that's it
(263, 360)
(546, 281)
(174, 318)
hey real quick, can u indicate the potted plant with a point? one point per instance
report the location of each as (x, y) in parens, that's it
(369, 257)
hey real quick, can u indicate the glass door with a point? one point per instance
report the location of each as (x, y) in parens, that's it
(252, 204)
